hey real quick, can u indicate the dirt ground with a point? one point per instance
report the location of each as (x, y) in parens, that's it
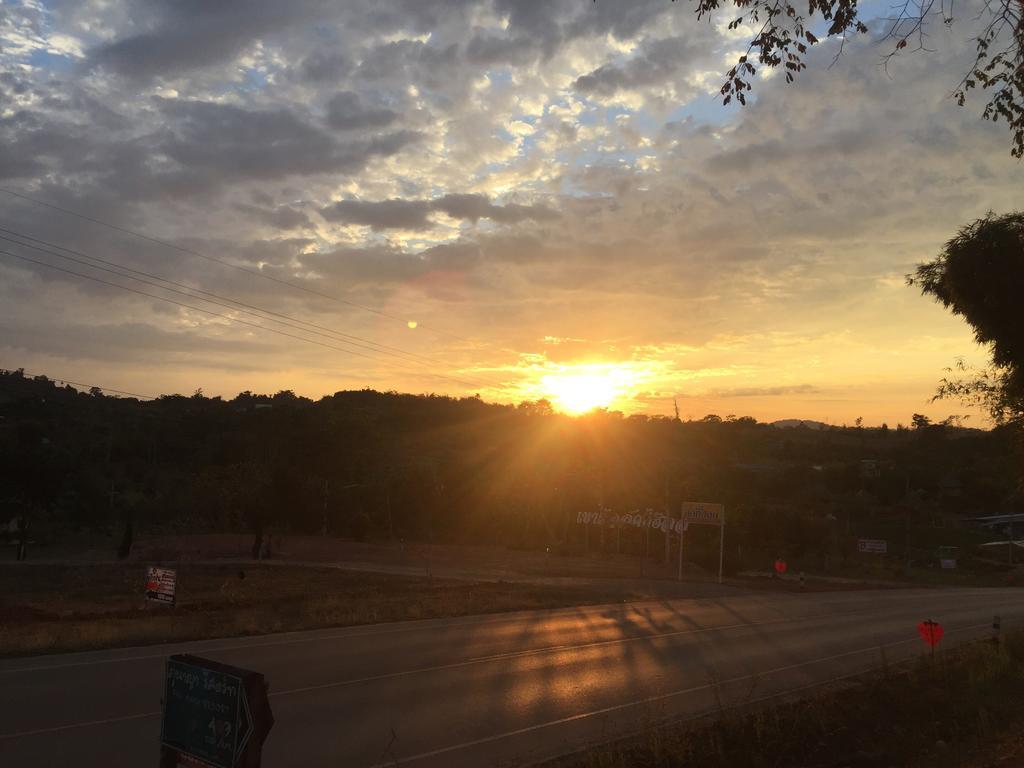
(470, 562)
(46, 608)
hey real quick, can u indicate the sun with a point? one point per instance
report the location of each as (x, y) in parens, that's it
(575, 393)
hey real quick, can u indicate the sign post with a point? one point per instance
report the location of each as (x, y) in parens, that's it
(703, 513)
(931, 632)
(721, 546)
(214, 715)
(682, 532)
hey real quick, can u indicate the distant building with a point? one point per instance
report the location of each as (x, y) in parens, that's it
(998, 521)
(869, 468)
(951, 486)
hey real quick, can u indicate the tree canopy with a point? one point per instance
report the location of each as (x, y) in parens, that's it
(366, 464)
(979, 275)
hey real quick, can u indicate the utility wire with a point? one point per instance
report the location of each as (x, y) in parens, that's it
(26, 374)
(222, 262)
(195, 290)
(190, 292)
(217, 314)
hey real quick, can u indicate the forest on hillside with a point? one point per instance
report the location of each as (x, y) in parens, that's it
(370, 465)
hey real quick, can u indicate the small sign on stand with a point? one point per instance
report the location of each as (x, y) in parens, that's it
(875, 546)
(161, 585)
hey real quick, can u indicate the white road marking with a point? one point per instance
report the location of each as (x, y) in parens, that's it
(364, 631)
(662, 697)
(480, 660)
(58, 728)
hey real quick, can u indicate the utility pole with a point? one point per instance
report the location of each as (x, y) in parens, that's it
(668, 513)
(907, 496)
(721, 546)
(387, 502)
(323, 529)
(682, 532)
(430, 517)
(1011, 545)
(648, 519)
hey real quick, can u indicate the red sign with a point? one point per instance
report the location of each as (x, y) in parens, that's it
(931, 632)
(780, 566)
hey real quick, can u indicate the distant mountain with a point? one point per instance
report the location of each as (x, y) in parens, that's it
(794, 423)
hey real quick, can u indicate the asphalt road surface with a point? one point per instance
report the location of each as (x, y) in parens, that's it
(503, 689)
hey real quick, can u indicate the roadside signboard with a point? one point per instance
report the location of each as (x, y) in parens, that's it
(213, 714)
(161, 584)
(876, 546)
(869, 468)
(703, 514)
(948, 564)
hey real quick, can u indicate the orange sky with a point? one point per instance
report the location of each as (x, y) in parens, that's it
(520, 201)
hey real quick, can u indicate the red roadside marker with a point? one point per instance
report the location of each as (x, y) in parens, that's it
(931, 632)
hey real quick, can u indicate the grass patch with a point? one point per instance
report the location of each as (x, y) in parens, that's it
(56, 608)
(962, 710)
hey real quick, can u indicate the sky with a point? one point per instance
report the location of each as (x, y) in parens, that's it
(511, 198)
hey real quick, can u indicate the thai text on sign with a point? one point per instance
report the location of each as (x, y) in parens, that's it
(161, 585)
(877, 546)
(703, 513)
(636, 518)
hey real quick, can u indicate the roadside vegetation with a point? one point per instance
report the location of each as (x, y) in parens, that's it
(962, 708)
(372, 466)
(55, 608)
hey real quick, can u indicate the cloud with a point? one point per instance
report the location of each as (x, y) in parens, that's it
(281, 217)
(184, 36)
(509, 169)
(346, 111)
(780, 391)
(656, 63)
(386, 214)
(415, 214)
(325, 67)
(215, 144)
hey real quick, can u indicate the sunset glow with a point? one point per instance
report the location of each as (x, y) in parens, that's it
(579, 390)
(516, 201)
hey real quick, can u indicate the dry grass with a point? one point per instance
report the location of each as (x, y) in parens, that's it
(54, 608)
(962, 710)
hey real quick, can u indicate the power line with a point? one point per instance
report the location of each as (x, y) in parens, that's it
(190, 292)
(215, 314)
(222, 262)
(26, 374)
(195, 290)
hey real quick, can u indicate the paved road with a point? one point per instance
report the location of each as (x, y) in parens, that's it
(490, 690)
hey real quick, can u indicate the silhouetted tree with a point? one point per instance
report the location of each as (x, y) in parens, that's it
(979, 275)
(784, 37)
